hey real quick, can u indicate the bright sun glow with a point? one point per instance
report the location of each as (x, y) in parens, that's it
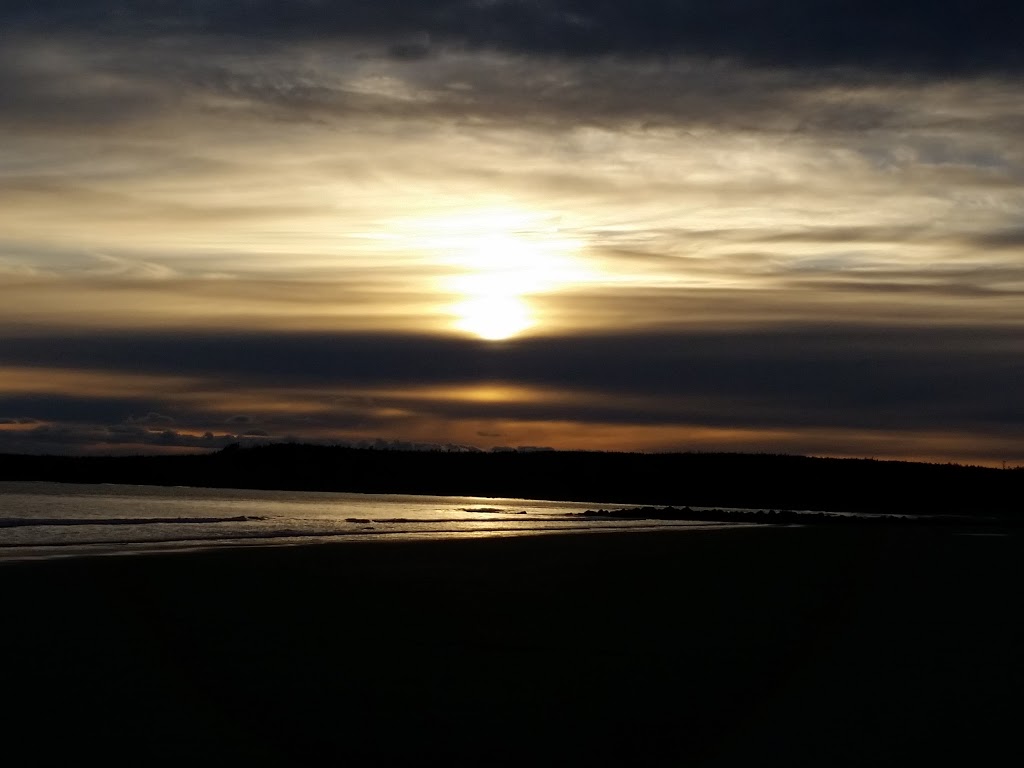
(502, 257)
(493, 317)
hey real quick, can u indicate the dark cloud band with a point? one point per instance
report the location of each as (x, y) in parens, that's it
(926, 378)
(944, 36)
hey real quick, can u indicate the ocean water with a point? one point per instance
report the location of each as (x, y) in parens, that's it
(46, 520)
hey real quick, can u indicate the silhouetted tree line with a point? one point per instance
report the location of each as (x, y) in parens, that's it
(695, 479)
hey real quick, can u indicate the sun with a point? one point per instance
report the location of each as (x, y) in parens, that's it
(493, 318)
(501, 258)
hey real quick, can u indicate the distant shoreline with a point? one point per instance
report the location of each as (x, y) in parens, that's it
(791, 517)
(748, 481)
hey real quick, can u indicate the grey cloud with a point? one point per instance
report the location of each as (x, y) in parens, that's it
(113, 439)
(330, 413)
(650, 95)
(46, 407)
(88, 438)
(926, 378)
(1003, 239)
(151, 418)
(843, 235)
(126, 81)
(413, 51)
(948, 36)
(340, 286)
(887, 283)
(873, 273)
(39, 87)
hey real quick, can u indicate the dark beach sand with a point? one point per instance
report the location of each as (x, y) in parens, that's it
(745, 647)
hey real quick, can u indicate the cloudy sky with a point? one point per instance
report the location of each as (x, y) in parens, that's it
(736, 225)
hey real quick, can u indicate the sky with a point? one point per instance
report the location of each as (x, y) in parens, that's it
(739, 225)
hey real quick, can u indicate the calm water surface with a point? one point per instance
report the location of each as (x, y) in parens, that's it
(41, 520)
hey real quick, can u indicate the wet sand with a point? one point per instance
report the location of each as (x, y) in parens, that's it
(747, 647)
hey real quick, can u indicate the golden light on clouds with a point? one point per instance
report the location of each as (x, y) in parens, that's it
(317, 237)
(17, 380)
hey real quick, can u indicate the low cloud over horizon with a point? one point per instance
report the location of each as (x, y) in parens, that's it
(643, 226)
